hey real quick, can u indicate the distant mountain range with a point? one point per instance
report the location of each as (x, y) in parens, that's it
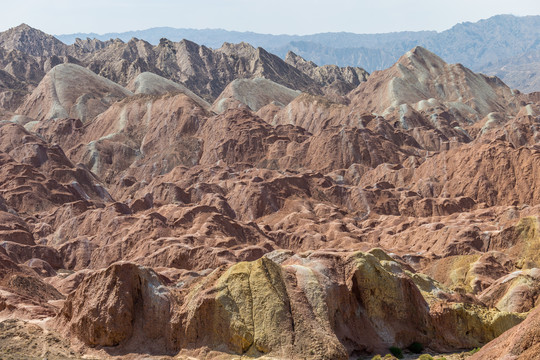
(504, 45)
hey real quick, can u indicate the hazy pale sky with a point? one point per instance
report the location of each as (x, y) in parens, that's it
(263, 16)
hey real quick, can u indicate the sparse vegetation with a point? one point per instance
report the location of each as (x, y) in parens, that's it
(385, 357)
(394, 350)
(425, 357)
(416, 347)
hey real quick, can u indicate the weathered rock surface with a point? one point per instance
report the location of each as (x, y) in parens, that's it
(23, 294)
(334, 80)
(264, 307)
(148, 83)
(312, 113)
(32, 41)
(420, 75)
(70, 90)
(147, 224)
(184, 62)
(515, 292)
(37, 176)
(520, 342)
(150, 134)
(12, 91)
(23, 67)
(195, 66)
(119, 303)
(255, 93)
(24, 340)
(501, 174)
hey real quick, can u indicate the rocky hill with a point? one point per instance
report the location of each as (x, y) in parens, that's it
(32, 42)
(175, 201)
(203, 71)
(487, 45)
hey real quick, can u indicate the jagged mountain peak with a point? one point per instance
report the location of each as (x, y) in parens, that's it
(184, 44)
(419, 51)
(189, 43)
(32, 41)
(240, 49)
(421, 75)
(238, 46)
(88, 45)
(335, 80)
(297, 60)
(24, 26)
(421, 57)
(134, 40)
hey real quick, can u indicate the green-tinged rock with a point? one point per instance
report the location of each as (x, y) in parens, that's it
(528, 230)
(272, 319)
(247, 310)
(389, 299)
(466, 325)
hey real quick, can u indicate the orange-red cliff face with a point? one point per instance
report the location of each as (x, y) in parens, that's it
(230, 203)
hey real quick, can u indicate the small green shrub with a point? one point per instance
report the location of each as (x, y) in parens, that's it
(416, 347)
(425, 357)
(376, 357)
(389, 357)
(474, 351)
(394, 350)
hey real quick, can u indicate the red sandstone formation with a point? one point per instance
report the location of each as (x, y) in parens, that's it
(324, 225)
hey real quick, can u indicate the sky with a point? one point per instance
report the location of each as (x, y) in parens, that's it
(263, 16)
